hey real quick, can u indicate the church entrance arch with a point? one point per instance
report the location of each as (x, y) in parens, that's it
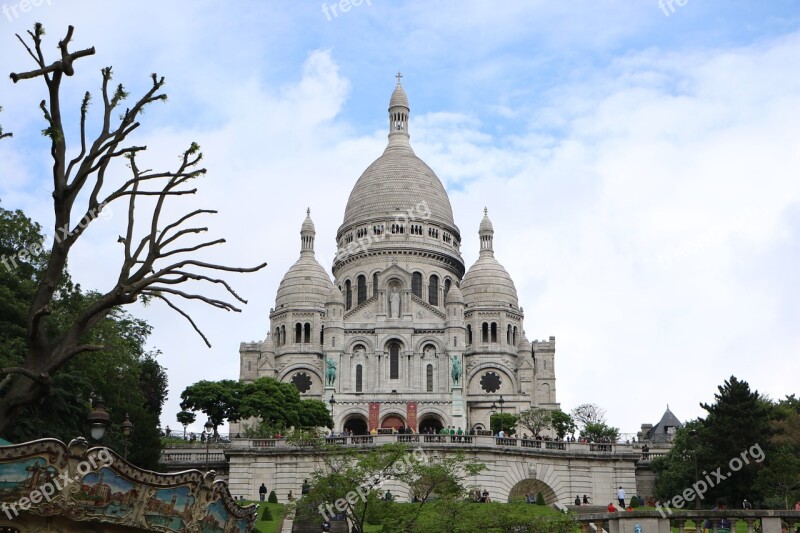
(430, 424)
(533, 487)
(393, 421)
(357, 424)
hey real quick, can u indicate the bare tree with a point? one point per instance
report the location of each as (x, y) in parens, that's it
(154, 264)
(589, 413)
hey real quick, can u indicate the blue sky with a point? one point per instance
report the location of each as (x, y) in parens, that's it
(641, 170)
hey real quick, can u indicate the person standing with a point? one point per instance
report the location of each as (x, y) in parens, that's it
(262, 492)
(577, 500)
(621, 497)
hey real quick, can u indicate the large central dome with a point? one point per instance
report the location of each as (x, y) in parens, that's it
(398, 206)
(398, 181)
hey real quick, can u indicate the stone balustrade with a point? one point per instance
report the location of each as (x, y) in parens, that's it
(664, 521)
(482, 441)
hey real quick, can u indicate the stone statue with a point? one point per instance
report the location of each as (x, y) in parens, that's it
(330, 372)
(394, 304)
(456, 372)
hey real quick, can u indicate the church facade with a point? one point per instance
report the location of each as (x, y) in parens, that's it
(403, 335)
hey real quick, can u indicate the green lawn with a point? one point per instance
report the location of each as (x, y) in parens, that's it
(267, 526)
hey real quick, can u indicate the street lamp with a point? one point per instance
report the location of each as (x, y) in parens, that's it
(98, 419)
(332, 401)
(127, 429)
(209, 427)
(693, 434)
(501, 401)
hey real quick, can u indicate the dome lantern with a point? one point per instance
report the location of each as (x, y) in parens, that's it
(398, 111)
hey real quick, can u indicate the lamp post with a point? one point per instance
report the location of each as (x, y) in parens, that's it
(501, 401)
(332, 401)
(127, 429)
(208, 428)
(693, 434)
(98, 419)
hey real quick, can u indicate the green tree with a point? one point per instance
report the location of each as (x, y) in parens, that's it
(217, 399)
(185, 418)
(563, 424)
(780, 479)
(156, 262)
(599, 432)
(535, 420)
(349, 471)
(736, 421)
(505, 421)
(121, 373)
(675, 471)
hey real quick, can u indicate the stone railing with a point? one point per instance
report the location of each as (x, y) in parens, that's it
(192, 457)
(687, 521)
(485, 441)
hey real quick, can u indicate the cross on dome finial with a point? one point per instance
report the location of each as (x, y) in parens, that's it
(398, 76)
(308, 211)
(485, 212)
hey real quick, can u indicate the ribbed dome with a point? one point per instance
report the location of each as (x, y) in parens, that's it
(486, 224)
(488, 283)
(396, 184)
(335, 296)
(306, 284)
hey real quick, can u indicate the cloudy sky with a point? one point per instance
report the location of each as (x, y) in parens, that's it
(639, 162)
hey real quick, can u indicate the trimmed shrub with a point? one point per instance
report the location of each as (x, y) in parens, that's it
(266, 514)
(539, 499)
(635, 502)
(273, 498)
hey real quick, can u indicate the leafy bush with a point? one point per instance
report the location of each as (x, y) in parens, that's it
(273, 498)
(540, 499)
(635, 502)
(266, 514)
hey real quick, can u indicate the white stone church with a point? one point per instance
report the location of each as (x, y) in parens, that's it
(403, 337)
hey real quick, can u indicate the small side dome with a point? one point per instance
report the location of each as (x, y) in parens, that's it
(486, 224)
(454, 296)
(308, 224)
(524, 345)
(268, 346)
(488, 283)
(335, 296)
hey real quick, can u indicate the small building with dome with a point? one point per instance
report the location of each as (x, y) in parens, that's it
(401, 334)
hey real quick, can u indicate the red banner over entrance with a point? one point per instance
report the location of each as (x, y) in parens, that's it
(374, 415)
(411, 415)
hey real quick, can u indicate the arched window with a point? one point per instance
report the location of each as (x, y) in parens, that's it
(514, 336)
(322, 336)
(348, 295)
(429, 378)
(494, 331)
(359, 378)
(375, 284)
(298, 333)
(485, 332)
(508, 335)
(433, 290)
(416, 284)
(361, 281)
(394, 361)
(446, 288)
(469, 334)
(283, 335)
(307, 331)
(277, 338)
